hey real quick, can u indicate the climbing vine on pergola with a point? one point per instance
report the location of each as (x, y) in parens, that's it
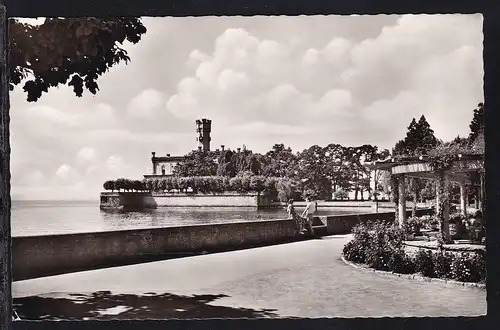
(450, 162)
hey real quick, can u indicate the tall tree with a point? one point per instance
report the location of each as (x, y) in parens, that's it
(72, 51)
(336, 156)
(361, 174)
(426, 134)
(279, 161)
(197, 163)
(310, 172)
(226, 166)
(419, 139)
(477, 124)
(406, 146)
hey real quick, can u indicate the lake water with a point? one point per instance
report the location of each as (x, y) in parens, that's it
(60, 217)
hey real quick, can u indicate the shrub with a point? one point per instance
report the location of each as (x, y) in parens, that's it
(413, 225)
(162, 184)
(156, 184)
(340, 194)
(257, 183)
(226, 183)
(270, 188)
(175, 183)
(424, 263)
(442, 264)
(461, 230)
(245, 183)
(198, 183)
(401, 263)
(235, 184)
(456, 218)
(354, 251)
(284, 189)
(168, 184)
(109, 185)
(379, 248)
(120, 184)
(361, 233)
(426, 221)
(148, 184)
(218, 184)
(137, 185)
(395, 235)
(469, 267)
(182, 183)
(379, 256)
(309, 193)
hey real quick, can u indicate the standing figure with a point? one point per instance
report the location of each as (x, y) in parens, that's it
(299, 221)
(309, 214)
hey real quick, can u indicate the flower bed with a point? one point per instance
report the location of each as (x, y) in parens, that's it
(381, 246)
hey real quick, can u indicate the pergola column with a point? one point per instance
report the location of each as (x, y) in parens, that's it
(443, 206)
(481, 191)
(481, 199)
(463, 199)
(401, 201)
(476, 198)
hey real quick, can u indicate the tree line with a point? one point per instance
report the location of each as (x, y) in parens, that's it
(316, 171)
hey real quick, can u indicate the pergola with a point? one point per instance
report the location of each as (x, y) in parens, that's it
(459, 172)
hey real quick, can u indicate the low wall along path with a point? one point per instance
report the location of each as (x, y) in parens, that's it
(39, 256)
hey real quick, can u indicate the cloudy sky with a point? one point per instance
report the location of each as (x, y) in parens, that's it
(262, 80)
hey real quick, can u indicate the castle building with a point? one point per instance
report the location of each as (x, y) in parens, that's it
(203, 128)
(164, 165)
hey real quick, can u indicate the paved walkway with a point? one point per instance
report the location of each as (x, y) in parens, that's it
(302, 279)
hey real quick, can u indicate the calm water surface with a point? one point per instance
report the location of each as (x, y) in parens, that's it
(58, 217)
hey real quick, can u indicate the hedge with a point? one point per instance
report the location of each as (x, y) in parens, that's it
(381, 246)
(276, 188)
(124, 184)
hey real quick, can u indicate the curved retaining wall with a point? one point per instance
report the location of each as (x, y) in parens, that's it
(38, 256)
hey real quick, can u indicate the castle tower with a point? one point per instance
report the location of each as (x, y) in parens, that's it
(203, 128)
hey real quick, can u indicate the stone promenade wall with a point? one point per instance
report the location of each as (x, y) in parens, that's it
(38, 256)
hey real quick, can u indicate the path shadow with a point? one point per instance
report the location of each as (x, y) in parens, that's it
(129, 306)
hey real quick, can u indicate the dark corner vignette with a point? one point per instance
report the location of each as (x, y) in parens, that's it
(491, 52)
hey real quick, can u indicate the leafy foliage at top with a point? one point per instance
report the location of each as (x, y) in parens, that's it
(418, 141)
(443, 155)
(197, 163)
(72, 51)
(477, 124)
(316, 171)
